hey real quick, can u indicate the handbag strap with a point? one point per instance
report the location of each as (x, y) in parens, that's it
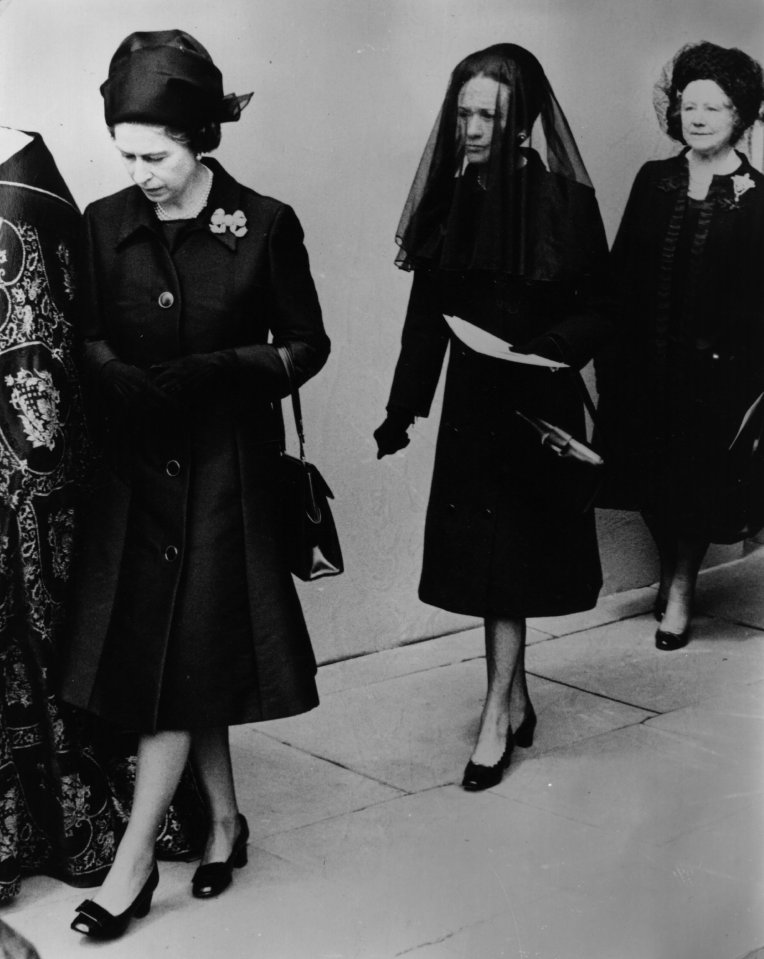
(286, 358)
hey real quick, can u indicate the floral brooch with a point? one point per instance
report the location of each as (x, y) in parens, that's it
(236, 222)
(741, 184)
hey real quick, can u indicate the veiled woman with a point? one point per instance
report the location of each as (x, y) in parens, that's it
(502, 230)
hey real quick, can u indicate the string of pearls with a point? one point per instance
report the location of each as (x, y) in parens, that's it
(163, 215)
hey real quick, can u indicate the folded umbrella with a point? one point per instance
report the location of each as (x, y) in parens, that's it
(561, 442)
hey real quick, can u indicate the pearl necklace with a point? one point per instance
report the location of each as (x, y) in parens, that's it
(163, 215)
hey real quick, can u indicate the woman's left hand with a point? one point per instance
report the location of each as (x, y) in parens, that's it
(186, 377)
(546, 345)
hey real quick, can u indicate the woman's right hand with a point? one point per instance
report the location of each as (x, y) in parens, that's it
(392, 435)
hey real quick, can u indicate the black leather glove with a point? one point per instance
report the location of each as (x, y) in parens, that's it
(547, 345)
(391, 435)
(128, 388)
(189, 376)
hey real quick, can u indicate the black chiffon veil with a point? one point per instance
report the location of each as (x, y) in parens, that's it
(529, 210)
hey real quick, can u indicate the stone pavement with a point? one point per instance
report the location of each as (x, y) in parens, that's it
(632, 829)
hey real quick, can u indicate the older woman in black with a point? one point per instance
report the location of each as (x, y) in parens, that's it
(502, 230)
(688, 361)
(187, 619)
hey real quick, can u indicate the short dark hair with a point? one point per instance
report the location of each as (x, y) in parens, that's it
(204, 140)
(737, 74)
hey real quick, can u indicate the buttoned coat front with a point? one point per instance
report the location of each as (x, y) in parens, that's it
(186, 613)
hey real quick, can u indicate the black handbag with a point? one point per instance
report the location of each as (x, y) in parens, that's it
(576, 471)
(739, 509)
(312, 543)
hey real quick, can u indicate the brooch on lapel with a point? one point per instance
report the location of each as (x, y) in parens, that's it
(236, 222)
(741, 184)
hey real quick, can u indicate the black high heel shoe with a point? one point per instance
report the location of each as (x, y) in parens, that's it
(668, 641)
(478, 777)
(524, 732)
(215, 877)
(98, 923)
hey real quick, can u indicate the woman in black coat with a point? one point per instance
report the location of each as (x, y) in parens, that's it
(502, 230)
(688, 360)
(187, 620)
(55, 769)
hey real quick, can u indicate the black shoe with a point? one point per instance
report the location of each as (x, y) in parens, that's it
(524, 732)
(215, 877)
(477, 777)
(665, 640)
(98, 923)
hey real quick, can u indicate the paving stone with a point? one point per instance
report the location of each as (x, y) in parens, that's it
(616, 917)
(417, 731)
(644, 786)
(632, 829)
(412, 658)
(271, 785)
(734, 591)
(620, 661)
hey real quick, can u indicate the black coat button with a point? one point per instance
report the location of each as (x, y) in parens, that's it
(171, 554)
(172, 468)
(166, 300)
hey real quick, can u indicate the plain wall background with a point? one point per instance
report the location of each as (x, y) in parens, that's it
(346, 92)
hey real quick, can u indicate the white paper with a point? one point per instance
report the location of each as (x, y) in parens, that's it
(489, 345)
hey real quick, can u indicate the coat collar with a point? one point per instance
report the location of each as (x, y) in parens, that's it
(678, 174)
(226, 194)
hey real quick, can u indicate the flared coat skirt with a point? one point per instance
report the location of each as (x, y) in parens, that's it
(187, 614)
(501, 537)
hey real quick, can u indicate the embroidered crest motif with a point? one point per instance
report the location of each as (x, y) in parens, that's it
(36, 399)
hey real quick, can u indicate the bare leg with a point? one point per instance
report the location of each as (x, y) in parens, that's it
(212, 759)
(519, 700)
(504, 656)
(161, 759)
(689, 555)
(666, 544)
